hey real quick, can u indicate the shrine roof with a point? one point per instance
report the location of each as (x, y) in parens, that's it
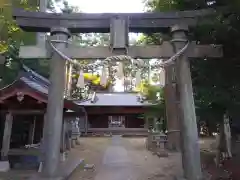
(34, 80)
(113, 99)
(34, 85)
(29, 79)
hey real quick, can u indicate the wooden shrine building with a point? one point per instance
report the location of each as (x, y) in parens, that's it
(115, 113)
(22, 110)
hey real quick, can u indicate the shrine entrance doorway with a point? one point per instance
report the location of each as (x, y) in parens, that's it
(116, 122)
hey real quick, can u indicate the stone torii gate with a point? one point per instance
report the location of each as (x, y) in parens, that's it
(61, 25)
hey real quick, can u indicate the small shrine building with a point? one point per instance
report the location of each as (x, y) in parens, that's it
(115, 113)
(22, 112)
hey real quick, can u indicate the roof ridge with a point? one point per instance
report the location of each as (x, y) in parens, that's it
(35, 75)
(13, 82)
(10, 84)
(114, 99)
(35, 80)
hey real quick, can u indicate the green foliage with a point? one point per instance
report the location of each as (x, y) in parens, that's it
(155, 96)
(215, 81)
(155, 114)
(12, 36)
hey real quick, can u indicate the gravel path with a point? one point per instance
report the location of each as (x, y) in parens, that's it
(91, 150)
(113, 155)
(124, 159)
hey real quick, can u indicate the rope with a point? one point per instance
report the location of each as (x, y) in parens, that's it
(89, 66)
(138, 63)
(175, 56)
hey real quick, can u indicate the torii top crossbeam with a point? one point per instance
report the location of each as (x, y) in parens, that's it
(86, 22)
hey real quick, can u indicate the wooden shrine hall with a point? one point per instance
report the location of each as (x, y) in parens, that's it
(23, 107)
(22, 110)
(115, 113)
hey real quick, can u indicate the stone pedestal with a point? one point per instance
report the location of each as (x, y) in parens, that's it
(73, 143)
(4, 166)
(68, 144)
(40, 167)
(63, 157)
(149, 144)
(75, 132)
(78, 142)
(155, 140)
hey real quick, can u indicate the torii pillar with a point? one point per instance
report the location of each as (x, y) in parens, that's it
(173, 121)
(189, 132)
(53, 123)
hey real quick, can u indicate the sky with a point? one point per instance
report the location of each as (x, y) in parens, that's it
(109, 6)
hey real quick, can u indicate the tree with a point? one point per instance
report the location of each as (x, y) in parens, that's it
(12, 36)
(154, 95)
(215, 82)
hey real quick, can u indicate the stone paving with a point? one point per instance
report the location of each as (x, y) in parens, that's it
(116, 163)
(117, 158)
(128, 159)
